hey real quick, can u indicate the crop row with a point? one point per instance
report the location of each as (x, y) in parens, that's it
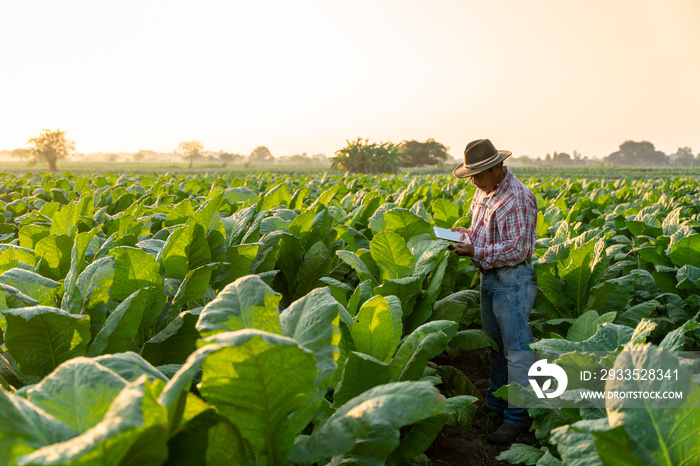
(293, 318)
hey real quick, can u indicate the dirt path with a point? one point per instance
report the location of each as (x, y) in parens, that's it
(454, 448)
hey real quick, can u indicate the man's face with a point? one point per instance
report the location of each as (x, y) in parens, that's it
(487, 180)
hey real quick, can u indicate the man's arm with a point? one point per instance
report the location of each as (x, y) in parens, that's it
(517, 239)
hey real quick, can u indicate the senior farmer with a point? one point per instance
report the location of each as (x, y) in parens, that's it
(502, 235)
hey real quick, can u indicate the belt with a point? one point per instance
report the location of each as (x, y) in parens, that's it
(494, 269)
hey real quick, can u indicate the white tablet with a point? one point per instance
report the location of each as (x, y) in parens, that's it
(449, 235)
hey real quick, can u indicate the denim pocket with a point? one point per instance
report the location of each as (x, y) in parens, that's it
(507, 276)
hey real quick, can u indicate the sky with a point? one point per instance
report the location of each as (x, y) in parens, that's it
(305, 76)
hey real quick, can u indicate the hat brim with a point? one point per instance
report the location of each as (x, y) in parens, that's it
(462, 172)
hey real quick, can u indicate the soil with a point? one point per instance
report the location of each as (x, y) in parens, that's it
(453, 447)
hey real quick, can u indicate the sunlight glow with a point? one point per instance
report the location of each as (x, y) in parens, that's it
(304, 76)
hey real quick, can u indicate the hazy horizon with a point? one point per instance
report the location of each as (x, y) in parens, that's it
(305, 76)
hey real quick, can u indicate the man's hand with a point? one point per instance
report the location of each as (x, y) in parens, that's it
(463, 249)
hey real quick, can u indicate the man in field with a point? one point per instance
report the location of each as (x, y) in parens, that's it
(502, 239)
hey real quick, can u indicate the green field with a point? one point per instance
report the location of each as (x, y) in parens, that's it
(304, 317)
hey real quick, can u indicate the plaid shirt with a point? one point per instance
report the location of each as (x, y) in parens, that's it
(504, 221)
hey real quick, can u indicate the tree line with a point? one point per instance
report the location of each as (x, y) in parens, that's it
(362, 156)
(629, 154)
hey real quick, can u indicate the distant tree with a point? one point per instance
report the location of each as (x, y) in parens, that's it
(561, 158)
(50, 147)
(362, 157)
(525, 160)
(683, 157)
(22, 154)
(633, 153)
(111, 157)
(299, 159)
(320, 158)
(261, 154)
(228, 157)
(190, 150)
(416, 153)
(138, 157)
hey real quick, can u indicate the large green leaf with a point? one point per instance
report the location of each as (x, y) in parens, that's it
(317, 264)
(207, 439)
(133, 431)
(29, 235)
(405, 223)
(246, 303)
(360, 373)
(43, 290)
(351, 258)
(276, 196)
(122, 325)
(471, 339)
(391, 254)
(686, 251)
(193, 288)
(236, 225)
(13, 257)
(408, 290)
(365, 430)
(77, 265)
(240, 257)
(675, 340)
(179, 214)
(670, 435)
(608, 337)
(445, 212)
(79, 393)
(575, 442)
(378, 327)
(428, 254)
(25, 428)
(175, 342)
(362, 293)
(135, 269)
(613, 295)
(354, 239)
(688, 278)
(616, 448)
(240, 194)
(185, 249)
(290, 256)
(454, 306)
(424, 309)
(12, 297)
(130, 366)
(259, 380)
(424, 343)
(577, 272)
(313, 321)
(55, 252)
(41, 337)
(520, 453)
(586, 325)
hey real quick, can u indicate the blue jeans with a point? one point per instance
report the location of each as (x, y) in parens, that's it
(507, 297)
